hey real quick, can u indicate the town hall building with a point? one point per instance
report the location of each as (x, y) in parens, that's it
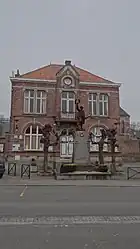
(47, 95)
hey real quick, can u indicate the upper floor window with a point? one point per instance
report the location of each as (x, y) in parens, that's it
(103, 104)
(68, 102)
(32, 138)
(92, 103)
(34, 101)
(98, 104)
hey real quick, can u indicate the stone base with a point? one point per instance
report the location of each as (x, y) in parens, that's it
(84, 176)
(78, 167)
(81, 150)
(61, 177)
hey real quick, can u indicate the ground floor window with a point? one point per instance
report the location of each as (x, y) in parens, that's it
(32, 138)
(66, 145)
(96, 138)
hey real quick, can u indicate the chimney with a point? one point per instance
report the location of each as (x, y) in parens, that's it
(67, 62)
(17, 74)
(13, 74)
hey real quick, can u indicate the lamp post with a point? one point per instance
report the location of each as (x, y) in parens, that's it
(47, 130)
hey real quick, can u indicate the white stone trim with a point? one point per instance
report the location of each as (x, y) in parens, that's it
(29, 124)
(68, 90)
(65, 68)
(68, 86)
(65, 89)
(35, 88)
(15, 79)
(101, 84)
(18, 79)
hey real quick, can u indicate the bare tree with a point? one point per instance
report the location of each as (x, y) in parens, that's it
(46, 132)
(101, 146)
(110, 135)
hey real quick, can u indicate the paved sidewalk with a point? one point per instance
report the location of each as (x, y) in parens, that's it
(43, 181)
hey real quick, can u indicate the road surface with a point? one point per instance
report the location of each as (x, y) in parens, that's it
(61, 217)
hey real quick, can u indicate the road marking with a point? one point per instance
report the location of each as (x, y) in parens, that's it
(69, 220)
(23, 191)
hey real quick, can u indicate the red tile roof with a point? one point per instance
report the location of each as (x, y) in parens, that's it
(49, 73)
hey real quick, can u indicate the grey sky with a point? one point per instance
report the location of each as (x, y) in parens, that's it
(102, 36)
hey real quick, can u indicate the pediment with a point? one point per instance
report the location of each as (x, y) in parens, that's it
(67, 69)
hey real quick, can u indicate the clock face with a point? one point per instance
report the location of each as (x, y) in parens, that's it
(67, 81)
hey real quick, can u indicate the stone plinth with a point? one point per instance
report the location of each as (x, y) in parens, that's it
(81, 148)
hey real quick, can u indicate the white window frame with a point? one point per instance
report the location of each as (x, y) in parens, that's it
(65, 142)
(42, 99)
(31, 135)
(67, 114)
(98, 101)
(97, 135)
(104, 101)
(28, 98)
(35, 98)
(92, 101)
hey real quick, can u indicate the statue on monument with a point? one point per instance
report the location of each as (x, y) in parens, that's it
(80, 115)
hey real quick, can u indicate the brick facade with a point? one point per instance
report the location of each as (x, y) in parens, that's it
(124, 122)
(50, 80)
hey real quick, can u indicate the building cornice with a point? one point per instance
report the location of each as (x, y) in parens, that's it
(73, 89)
(101, 84)
(18, 79)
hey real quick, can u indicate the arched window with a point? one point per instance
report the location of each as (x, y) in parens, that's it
(97, 135)
(66, 145)
(32, 138)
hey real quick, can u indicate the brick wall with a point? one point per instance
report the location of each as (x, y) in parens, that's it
(53, 104)
(130, 148)
(124, 125)
(17, 106)
(129, 145)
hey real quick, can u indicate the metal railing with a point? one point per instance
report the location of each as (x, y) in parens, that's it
(68, 115)
(25, 170)
(12, 169)
(132, 172)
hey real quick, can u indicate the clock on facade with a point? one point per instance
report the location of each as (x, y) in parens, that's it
(68, 81)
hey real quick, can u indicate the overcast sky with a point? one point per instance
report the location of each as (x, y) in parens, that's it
(102, 36)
